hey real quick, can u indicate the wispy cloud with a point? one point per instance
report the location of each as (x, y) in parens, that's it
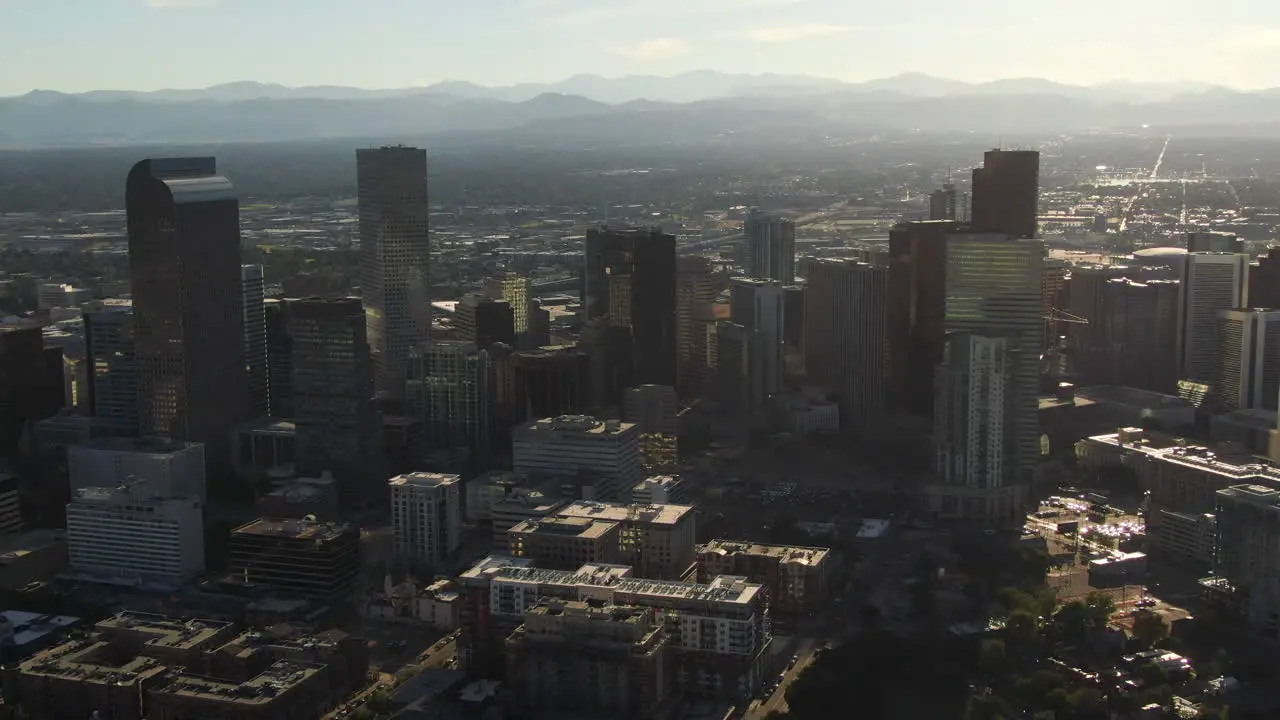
(791, 33)
(654, 49)
(597, 11)
(179, 4)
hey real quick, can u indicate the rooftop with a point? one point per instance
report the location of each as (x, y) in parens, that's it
(423, 480)
(1133, 397)
(165, 631)
(653, 514)
(277, 679)
(153, 445)
(28, 627)
(785, 553)
(618, 578)
(566, 526)
(580, 424)
(297, 529)
(1241, 469)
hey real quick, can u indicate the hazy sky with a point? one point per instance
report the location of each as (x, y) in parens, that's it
(77, 45)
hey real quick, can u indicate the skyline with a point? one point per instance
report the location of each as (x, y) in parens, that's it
(402, 43)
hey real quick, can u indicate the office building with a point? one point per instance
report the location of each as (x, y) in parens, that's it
(661, 490)
(450, 388)
(31, 382)
(113, 368)
(547, 382)
(1006, 192)
(627, 654)
(1127, 329)
(730, 356)
(720, 630)
(426, 518)
(975, 455)
(757, 305)
(943, 203)
(630, 282)
(657, 540)
(798, 580)
(61, 295)
(279, 358)
(993, 291)
(601, 455)
(296, 557)
(152, 467)
(1250, 352)
(188, 302)
(484, 321)
(1214, 242)
(527, 317)
(1211, 283)
(521, 505)
(771, 247)
(845, 336)
(1245, 557)
(565, 543)
(255, 340)
(654, 410)
(116, 533)
(336, 423)
(697, 287)
(395, 254)
(916, 312)
(1264, 280)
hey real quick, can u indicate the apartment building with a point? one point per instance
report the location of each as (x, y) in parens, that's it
(657, 540)
(564, 543)
(797, 579)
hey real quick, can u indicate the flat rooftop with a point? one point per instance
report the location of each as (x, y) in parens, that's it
(580, 527)
(618, 578)
(151, 445)
(577, 424)
(276, 680)
(28, 627)
(664, 514)
(1241, 469)
(297, 529)
(423, 480)
(785, 553)
(1132, 397)
(165, 631)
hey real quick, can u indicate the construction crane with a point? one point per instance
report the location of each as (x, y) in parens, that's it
(1051, 361)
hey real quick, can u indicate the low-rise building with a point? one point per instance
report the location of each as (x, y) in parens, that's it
(284, 691)
(657, 540)
(117, 533)
(659, 490)
(523, 504)
(564, 543)
(797, 579)
(33, 556)
(297, 557)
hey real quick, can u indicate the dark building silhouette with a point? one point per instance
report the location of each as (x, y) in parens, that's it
(844, 335)
(31, 386)
(255, 341)
(793, 315)
(942, 203)
(1214, 242)
(279, 358)
(112, 378)
(395, 252)
(548, 382)
(630, 283)
(337, 424)
(1264, 280)
(484, 321)
(184, 260)
(771, 247)
(1006, 192)
(916, 312)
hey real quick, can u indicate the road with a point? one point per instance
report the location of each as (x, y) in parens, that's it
(807, 651)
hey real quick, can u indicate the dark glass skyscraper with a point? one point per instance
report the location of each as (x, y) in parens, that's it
(771, 247)
(631, 283)
(184, 260)
(395, 253)
(1006, 192)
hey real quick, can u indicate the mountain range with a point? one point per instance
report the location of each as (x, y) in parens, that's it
(689, 106)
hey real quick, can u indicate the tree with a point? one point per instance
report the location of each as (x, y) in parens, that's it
(1149, 627)
(1101, 607)
(991, 657)
(1087, 702)
(1072, 621)
(1045, 715)
(1021, 632)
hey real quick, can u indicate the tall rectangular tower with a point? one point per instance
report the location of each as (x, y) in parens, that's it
(696, 290)
(1006, 193)
(916, 311)
(1211, 283)
(1250, 349)
(255, 340)
(771, 247)
(450, 388)
(631, 283)
(844, 335)
(395, 255)
(993, 290)
(113, 369)
(757, 306)
(188, 301)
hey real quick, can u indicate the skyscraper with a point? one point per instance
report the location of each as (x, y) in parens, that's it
(541, 383)
(1006, 193)
(757, 305)
(1264, 280)
(1250, 348)
(113, 369)
(484, 321)
(942, 203)
(916, 312)
(188, 301)
(696, 290)
(450, 387)
(255, 340)
(337, 426)
(279, 358)
(1211, 283)
(395, 255)
(631, 282)
(1218, 242)
(31, 382)
(771, 247)
(517, 292)
(993, 290)
(844, 335)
